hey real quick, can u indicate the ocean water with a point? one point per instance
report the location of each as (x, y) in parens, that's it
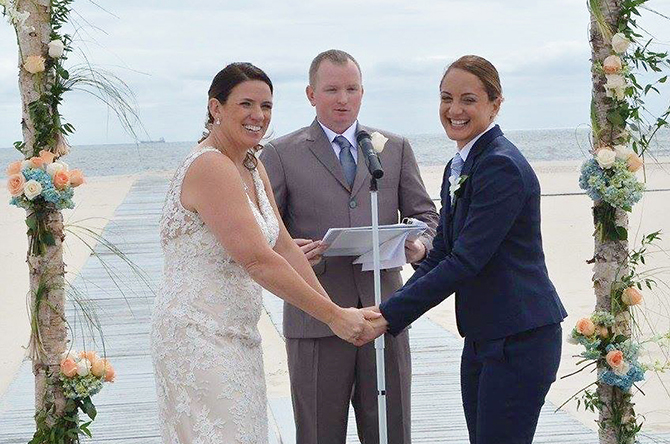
(430, 149)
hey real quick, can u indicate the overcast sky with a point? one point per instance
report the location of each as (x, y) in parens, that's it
(168, 51)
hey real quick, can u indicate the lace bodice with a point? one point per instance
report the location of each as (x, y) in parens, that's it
(205, 341)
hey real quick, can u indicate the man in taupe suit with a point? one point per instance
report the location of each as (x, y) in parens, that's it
(320, 181)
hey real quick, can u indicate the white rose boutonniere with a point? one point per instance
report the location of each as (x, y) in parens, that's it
(455, 185)
(378, 141)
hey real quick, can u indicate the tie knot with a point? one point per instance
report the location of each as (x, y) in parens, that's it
(342, 142)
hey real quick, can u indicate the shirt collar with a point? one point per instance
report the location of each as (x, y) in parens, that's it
(466, 149)
(349, 133)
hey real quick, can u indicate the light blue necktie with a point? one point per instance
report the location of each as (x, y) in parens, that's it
(456, 166)
(347, 159)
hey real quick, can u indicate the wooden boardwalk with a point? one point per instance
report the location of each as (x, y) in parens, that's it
(127, 408)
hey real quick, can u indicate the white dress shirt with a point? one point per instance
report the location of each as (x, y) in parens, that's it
(468, 146)
(349, 134)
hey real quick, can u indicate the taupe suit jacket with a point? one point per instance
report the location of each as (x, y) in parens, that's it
(313, 196)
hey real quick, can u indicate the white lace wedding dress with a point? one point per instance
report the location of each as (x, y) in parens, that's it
(205, 343)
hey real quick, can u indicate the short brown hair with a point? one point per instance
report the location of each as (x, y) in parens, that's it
(335, 56)
(483, 69)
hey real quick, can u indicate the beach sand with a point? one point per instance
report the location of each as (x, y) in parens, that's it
(568, 244)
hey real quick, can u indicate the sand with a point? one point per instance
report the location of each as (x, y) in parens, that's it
(568, 243)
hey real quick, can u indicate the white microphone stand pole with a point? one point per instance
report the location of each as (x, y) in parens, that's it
(379, 342)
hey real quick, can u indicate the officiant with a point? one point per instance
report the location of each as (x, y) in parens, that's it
(320, 180)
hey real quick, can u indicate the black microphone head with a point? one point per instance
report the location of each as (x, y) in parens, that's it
(362, 134)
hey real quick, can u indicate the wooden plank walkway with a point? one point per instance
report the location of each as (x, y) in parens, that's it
(127, 408)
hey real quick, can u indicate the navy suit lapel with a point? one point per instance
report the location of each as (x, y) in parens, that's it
(479, 147)
(323, 150)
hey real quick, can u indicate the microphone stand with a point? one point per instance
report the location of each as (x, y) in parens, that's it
(379, 342)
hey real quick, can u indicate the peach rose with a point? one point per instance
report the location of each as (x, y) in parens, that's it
(15, 184)
(61, 179)
(615, 359)
(92, 356)
(68, 367)
(612, 64)
(110, 373)
(603, 332)
(631, 296)
(98, 368)
(36, 162)
(76, 178)
(634, 163)
(586, 327)
(47, 156)
(34, 64)
(14, 168)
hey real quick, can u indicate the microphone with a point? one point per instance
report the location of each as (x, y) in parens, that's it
(370, 155)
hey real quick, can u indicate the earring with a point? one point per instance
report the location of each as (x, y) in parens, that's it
(218, 122)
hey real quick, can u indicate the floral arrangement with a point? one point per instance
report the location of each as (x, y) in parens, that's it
(83, 374)
(619, 353)
(42, 180)
(41, 185)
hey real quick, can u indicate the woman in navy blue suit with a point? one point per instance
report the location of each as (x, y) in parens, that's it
(488, 250)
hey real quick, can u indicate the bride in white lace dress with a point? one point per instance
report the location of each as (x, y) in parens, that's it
(222, 241)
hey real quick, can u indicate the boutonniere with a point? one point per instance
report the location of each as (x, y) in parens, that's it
(455, 184)
(378, 141)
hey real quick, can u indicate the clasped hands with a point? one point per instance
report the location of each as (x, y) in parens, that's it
(359, 326)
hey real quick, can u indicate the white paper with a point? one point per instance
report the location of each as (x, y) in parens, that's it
(357, 241)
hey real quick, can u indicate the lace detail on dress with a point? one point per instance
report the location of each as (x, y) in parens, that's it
(205, 342)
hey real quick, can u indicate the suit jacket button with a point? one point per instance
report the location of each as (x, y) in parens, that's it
(352, 204)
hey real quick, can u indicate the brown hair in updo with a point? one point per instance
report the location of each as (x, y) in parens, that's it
(483, 69)
(221, 87)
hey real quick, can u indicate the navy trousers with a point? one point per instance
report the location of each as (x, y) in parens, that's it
(504, 382)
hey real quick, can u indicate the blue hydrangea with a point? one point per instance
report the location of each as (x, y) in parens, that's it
(617, 185)
(625, 382)
(61, 199)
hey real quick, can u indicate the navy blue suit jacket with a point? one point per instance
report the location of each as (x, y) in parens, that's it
(488, 250)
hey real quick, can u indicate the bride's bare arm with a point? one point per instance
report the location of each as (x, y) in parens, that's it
(285, 245)
(213, 188)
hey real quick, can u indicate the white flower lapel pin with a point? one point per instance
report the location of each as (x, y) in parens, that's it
(378, 141)
(454, 186)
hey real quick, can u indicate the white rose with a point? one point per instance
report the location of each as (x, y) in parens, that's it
(378, 141)
(620, 43)
(56, 48)
(55, 167)
(605, 158)
(32, 189)
(72, 354)
(83, 367)
(622, 370)
(34, 64)
(25, 164)
(615, 86)
(622, 152)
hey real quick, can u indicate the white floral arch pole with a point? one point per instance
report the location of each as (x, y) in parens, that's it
(620, 138)
(43, 185)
